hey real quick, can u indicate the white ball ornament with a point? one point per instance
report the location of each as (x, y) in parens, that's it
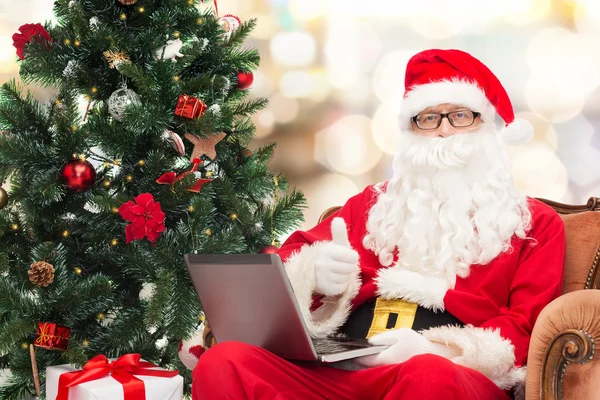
(120, 100)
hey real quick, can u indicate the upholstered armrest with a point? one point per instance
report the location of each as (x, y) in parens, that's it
(565, 333)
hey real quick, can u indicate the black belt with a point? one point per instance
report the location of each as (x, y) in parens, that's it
(391, 314)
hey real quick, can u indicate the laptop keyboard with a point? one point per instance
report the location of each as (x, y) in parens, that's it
(338, 345)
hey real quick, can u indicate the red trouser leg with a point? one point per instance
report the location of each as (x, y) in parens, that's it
(426, 377)
(238, 371)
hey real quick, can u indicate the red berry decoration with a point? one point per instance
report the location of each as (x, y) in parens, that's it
(244, 80)
(269, 250)
(78, 175)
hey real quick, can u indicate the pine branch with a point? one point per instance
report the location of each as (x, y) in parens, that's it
(162, 291)
(13, 332)
(239, 36)
(19, 114)
(142, 80)
(248, 108)
(14, 300)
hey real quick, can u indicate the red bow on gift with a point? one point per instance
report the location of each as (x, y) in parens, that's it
(122, 369)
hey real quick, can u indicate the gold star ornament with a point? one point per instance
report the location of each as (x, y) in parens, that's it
(114, 58)
(205, 146)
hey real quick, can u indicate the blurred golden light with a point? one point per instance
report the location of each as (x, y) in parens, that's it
(266, 27)
(555, 102)
(303, 84)
(293, 49)
(381, 8)
(587, 18)
(342, 52)
(347, 146)
(385, 127)
(307, 10)
(323, 90)
(359, 94)
(540, 173)
(521, 12)
(263, 84)
(544, 131)
(559, 55)
(388, 77)
(264, 120)
(283, 108)
(326, 191)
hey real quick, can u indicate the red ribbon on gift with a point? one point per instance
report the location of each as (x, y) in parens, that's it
(122, 369)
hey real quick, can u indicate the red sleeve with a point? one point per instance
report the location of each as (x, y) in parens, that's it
(537, 281)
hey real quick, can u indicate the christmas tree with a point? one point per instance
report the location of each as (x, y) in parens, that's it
(140, 157)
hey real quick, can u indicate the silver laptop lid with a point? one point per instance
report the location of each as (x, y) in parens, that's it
(248, 298)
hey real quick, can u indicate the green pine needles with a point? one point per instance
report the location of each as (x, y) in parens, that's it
(97, 48)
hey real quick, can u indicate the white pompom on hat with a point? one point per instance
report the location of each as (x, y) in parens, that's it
(437, 76)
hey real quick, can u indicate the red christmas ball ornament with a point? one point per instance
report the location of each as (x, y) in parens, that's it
(78, 175)
(269, 249)
(244, 80)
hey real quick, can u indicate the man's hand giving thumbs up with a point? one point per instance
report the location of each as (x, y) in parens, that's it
(336, 262)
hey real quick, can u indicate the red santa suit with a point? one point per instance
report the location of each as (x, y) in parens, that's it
(498, 303)
(488, 315)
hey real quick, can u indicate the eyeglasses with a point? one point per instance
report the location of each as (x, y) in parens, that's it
(458, 119)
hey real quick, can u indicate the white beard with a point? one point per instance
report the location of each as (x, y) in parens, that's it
(451, 203)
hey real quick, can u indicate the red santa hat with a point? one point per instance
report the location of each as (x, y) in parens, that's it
(452, 76)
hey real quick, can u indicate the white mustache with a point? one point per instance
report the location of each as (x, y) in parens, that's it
(439, 153)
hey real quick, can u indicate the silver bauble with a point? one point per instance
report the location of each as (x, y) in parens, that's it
(120, 100)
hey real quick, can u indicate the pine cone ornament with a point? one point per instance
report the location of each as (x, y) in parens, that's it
(41, 273)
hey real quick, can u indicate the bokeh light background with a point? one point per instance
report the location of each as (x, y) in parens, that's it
(334, 73)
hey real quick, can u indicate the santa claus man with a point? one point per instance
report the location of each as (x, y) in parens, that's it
(447, 263)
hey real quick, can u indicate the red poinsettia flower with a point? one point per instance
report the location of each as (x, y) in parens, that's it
(146, 217)
(28, 31)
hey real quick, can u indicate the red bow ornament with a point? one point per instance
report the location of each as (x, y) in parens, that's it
(169, 178)
(122, 370)
(25, 34)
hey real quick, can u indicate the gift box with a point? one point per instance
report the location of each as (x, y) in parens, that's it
(189, 107)
(126, 378)
(52, 336)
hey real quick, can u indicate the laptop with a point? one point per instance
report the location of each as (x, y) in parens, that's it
(248, 298)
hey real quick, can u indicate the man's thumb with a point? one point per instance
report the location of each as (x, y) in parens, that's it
(339, 233)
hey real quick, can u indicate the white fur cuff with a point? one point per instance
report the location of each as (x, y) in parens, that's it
(484, 350)
(400, 283)
(326, 320)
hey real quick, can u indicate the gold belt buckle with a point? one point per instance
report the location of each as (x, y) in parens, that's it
(383, 308)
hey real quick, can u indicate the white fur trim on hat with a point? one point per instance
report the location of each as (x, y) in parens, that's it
(454, 92)
(518, 133)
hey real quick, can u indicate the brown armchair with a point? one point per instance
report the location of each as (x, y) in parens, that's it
(562, 362)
